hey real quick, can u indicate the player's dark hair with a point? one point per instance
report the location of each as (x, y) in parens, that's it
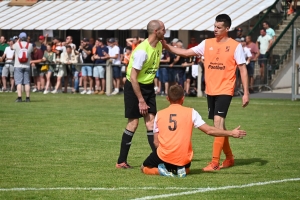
(175, 93)
(224, 18)
(68, 47)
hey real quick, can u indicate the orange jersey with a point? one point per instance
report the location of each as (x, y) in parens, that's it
(175, 127)
(94, 50)
(220, 66)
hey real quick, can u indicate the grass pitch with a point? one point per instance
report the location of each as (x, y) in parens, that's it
(65, 147)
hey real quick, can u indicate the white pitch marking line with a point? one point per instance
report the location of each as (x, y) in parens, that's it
(95, 188)
(202, 190)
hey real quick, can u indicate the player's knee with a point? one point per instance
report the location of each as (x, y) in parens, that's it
(132, 124)
(218, 121)
(149, 125)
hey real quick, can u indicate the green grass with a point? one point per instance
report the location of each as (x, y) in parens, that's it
(73, 141)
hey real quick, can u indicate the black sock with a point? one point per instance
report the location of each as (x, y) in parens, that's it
(27, 97)
(20, 98)
(125, 145)
(151, 139)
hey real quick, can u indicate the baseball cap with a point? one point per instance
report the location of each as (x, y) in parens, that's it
(41, 37)
(85, 40)
(111, 40)
(239, 29)
(22, 35)
(100, 39)
(15, 37)
(175, 40)
(11, 39)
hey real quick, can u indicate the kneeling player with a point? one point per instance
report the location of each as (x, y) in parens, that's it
(173, 128)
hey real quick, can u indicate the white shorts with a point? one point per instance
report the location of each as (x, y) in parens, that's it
(99, 72)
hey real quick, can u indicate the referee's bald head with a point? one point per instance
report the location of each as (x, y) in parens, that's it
(153, 25)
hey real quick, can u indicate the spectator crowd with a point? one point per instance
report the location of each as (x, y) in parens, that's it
(58, 65)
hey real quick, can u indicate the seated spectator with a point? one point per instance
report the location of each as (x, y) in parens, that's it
(114, 54)
(8, 69)
(87, 70)
(100, 57)
(36, 73)
(174, 153)
(134, 42)
(164, 72)
(49, 58)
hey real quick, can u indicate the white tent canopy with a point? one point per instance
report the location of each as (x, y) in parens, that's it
(127, 14)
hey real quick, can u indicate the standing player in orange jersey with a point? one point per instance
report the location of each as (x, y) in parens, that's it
(222, 56)
(173, 127)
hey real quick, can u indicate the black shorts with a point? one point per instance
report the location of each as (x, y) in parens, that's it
(218, 105)
(153, 161)
(132, 110)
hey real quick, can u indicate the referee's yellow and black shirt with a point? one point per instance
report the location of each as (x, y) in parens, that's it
(146, 59)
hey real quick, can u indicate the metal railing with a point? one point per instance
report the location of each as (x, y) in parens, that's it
(109, 72)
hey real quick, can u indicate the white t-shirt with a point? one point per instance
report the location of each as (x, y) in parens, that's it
(247, 52)
(263, 43)
(17, 48)
(196, 118)
(73, 46)
(113, 52)
(238, 53)
(9, 53)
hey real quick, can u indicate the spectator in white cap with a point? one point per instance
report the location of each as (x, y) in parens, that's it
(23, 51)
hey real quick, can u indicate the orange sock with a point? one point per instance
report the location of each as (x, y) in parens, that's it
(226, 149)
(150, 171)
(217, 149)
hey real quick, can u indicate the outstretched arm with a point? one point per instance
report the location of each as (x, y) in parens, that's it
(213, 131)
(178, 51)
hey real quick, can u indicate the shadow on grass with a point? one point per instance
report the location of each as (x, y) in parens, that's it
(250, 161)
(237, 162)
